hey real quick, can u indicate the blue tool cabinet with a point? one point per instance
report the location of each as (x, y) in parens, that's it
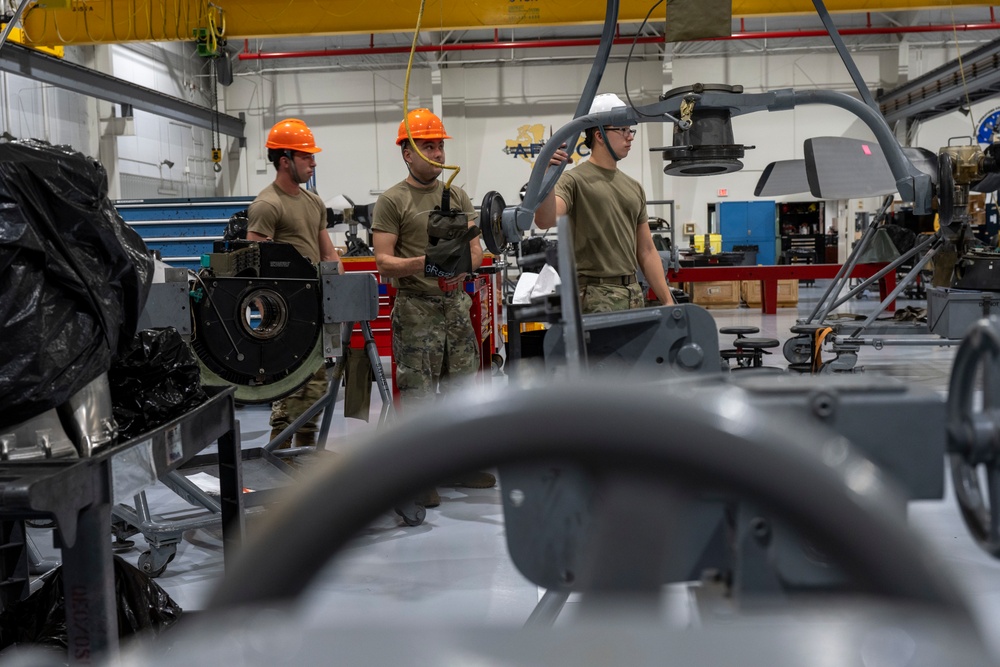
(744, 223)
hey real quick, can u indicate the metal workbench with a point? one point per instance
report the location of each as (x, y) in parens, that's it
(78, 495)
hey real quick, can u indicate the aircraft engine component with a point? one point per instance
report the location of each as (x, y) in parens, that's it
(258, 316)
(707, 146)
(959, 169)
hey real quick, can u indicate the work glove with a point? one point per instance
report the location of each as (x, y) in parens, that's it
(448, 236)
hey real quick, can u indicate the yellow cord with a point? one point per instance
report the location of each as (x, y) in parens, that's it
(406, 101)
(961, 69)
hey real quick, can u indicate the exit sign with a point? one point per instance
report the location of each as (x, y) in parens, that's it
(723, 192)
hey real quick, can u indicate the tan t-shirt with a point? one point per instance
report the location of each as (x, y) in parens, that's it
(296, 220)
(403, 210)
(605, 207)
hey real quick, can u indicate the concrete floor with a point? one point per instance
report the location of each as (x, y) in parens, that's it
(454, 569)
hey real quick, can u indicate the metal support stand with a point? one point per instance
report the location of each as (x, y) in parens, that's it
(327, 402)
(89, 588)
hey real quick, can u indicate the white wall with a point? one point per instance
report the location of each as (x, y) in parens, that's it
(172, 69)
(355, 115)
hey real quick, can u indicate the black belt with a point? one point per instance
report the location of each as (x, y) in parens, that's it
(613, 280)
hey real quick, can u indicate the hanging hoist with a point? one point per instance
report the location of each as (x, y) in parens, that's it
(211, 42)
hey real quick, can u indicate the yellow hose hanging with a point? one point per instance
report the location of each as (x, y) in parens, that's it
(406, 102)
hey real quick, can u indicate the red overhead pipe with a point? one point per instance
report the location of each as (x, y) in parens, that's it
(564, 43)
(888, 30)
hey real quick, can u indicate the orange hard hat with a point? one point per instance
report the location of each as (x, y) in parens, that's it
(292, 134)
(424, 124)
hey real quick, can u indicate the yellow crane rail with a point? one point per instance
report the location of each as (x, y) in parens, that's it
(113, 21)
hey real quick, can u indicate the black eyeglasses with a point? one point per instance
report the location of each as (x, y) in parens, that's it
(626, 131)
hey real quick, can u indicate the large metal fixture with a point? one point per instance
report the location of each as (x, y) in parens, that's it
(258, 315)
(265, 318)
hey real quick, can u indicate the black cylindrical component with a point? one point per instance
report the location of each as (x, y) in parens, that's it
(706, 148)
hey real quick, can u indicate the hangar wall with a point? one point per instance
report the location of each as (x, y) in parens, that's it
(489, 110)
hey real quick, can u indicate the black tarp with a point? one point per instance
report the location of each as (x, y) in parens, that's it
(155, 379)
(40, 619)
(73, 277)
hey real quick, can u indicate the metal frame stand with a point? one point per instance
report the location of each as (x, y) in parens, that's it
(848, 337)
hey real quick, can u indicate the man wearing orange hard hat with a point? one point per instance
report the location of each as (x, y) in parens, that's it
(288, 213)
(427, 251)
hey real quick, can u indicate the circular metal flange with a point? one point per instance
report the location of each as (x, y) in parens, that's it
(261, 335)
(491, 223)
(703, 160)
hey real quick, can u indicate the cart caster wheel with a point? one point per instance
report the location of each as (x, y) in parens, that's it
(149, 564)
(411, 513)
(798, 350)
(496, 363)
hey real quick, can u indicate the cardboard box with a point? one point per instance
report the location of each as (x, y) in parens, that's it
(717, 294)
(788, 293)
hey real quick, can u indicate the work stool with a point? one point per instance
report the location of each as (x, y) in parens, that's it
(743, 358)
(756, 348)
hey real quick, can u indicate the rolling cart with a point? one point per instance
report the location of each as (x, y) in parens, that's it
(77, 495)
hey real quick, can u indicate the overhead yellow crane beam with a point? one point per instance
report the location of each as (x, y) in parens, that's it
(112, 21)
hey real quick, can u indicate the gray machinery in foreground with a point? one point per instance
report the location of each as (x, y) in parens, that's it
(773, 490)
(737, 546)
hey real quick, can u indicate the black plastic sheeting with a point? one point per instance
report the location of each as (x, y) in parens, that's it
(155, 379)
(74, 277)
(40, 618)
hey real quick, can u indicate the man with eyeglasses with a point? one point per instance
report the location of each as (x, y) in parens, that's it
(286, 212)
(607, 209)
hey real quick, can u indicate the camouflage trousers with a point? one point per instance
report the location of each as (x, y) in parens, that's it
(286, 410)
(433, 344)
(609, 298)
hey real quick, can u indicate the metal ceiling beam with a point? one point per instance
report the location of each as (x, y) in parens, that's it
(944, 88)
(29, 63)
